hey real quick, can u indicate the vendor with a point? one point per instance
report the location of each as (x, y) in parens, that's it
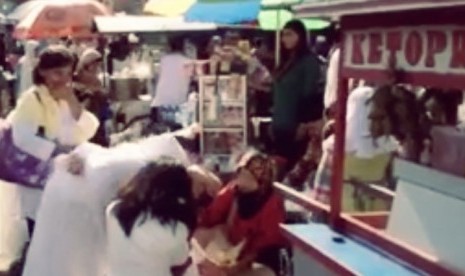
(90, 91)
(243, 221)
(174, 79)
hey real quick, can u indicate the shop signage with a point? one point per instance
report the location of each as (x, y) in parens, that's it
(425, 49)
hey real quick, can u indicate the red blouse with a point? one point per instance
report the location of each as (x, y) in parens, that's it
(260, 231)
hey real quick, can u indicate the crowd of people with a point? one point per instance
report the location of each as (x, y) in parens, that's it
(143, 208)
(163, 216)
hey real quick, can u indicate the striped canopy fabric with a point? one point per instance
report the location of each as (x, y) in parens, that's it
(224, 11)
(270, 14)
(215, 11)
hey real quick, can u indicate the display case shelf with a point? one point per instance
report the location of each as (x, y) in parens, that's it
(223, 118)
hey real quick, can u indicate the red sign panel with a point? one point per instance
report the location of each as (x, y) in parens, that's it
(426, 54)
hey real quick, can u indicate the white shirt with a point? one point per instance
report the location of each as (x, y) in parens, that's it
(67, 124)
(151, 249)
(26, 66)
(332, 79)
(173, 80)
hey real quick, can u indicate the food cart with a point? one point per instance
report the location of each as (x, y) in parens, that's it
(131, 89)
(421, 235)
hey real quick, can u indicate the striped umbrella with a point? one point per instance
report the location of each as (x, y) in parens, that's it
(216, 11)
(47, 19)
(270, 14)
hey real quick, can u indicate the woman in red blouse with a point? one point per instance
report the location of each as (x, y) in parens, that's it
(246, 214)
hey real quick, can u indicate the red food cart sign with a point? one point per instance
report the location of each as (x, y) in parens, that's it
(429, 51)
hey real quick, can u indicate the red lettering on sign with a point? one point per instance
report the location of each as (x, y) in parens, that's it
(437, 42)
(375, 54)
(393, 44)
(413, 48)
(458, 49)
(357, 51)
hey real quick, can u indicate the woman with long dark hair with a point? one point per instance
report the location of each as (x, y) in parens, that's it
(296, 96)
(149, 224)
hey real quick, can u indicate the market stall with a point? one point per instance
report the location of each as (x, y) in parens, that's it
(147, 24)
(132, 79)
(424, 41)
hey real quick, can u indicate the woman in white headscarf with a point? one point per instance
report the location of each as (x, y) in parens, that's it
(366, 155)
(26, 65)
(90, 91)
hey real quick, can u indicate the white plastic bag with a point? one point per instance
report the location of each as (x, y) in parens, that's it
(13, 227)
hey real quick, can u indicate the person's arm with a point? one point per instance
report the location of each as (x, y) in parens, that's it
(268, 233)
(259, 76)
(86, 126)
(218, 210)
(86, 123)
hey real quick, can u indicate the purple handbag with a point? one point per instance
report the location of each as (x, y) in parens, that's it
(20, 167)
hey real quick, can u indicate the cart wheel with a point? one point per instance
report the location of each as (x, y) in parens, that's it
(286, 264)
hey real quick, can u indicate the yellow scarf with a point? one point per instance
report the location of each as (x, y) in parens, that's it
(37, 107)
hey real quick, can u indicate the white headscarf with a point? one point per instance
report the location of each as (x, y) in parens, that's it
(358, 138)
(87, 57)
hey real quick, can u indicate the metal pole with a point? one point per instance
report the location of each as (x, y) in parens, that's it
(278, 39)
(337, 179)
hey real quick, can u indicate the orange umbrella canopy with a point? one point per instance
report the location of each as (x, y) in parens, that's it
(62, 18)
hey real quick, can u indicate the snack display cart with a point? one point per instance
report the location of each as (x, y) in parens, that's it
(223, 118)
(422, 234)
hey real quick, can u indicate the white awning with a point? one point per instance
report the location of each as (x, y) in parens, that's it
(147, 24)
(335, 9)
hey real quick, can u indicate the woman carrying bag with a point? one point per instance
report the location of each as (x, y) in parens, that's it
(47, 120)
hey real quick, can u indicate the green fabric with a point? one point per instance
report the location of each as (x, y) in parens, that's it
(291, 90)
(355, 202)
(279, 3)
(275, 19)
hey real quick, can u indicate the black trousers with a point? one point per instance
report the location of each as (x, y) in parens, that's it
(286, 145)
(30, 226)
